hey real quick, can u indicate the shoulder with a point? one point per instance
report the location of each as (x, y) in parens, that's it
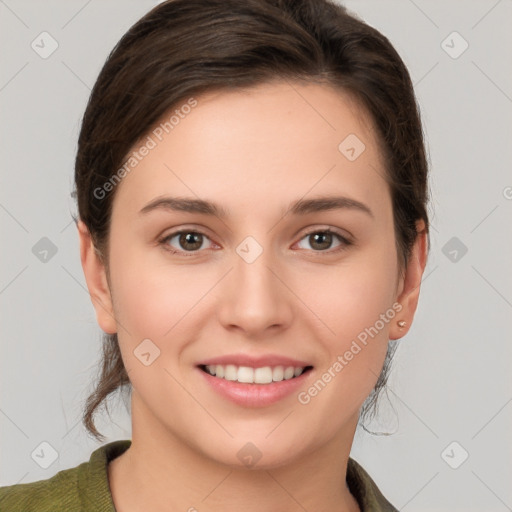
(84, 487)
(57, 491)
(365, 490)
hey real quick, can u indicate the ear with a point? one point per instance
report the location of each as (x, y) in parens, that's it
(97, 283)
(409, 290)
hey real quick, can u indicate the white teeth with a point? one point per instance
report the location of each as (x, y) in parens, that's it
(230, 372)
(278, 373)
(246, 374)
(263, 375)
(288, 372)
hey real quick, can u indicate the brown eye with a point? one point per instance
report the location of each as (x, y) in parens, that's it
(190, 241)
(322, 241)
(186, 241)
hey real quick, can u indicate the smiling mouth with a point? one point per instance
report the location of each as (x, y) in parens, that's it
(249, 375)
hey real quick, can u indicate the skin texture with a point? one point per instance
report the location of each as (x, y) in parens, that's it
(253, 152)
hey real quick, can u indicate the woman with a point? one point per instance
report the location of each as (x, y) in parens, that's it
(252, 187)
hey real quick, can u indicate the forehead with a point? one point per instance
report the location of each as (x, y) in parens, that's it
(274, 142)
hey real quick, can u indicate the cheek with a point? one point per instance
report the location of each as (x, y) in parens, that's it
(152, 296)
(156, 301)
(157, 298)
(352, 296)
(355, 311)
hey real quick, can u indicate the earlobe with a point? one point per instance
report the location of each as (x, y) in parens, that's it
(410, 290)
(96, 279)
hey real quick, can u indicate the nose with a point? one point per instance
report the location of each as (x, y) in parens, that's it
(254, 297)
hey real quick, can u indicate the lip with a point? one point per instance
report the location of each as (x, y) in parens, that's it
(255, 395)
(254, 361)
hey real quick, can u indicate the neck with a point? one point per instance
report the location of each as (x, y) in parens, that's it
(162, 472)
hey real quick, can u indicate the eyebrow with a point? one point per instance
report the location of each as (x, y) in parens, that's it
(300, 207)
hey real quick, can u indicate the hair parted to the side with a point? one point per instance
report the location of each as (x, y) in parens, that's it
(183, 48)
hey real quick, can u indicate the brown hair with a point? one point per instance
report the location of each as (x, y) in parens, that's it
(186, 47)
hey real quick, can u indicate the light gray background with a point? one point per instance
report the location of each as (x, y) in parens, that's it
(451, 379)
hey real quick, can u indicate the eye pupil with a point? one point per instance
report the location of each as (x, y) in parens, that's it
(191, 238)
(192, 241)
(322, 237)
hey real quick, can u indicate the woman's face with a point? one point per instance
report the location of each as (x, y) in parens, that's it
(258, 284)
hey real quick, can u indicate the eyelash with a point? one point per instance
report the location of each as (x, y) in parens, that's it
(345, 243)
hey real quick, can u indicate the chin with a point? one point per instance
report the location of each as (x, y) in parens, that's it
(258, 452)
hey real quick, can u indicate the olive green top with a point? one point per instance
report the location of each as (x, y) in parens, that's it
(85, 488)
